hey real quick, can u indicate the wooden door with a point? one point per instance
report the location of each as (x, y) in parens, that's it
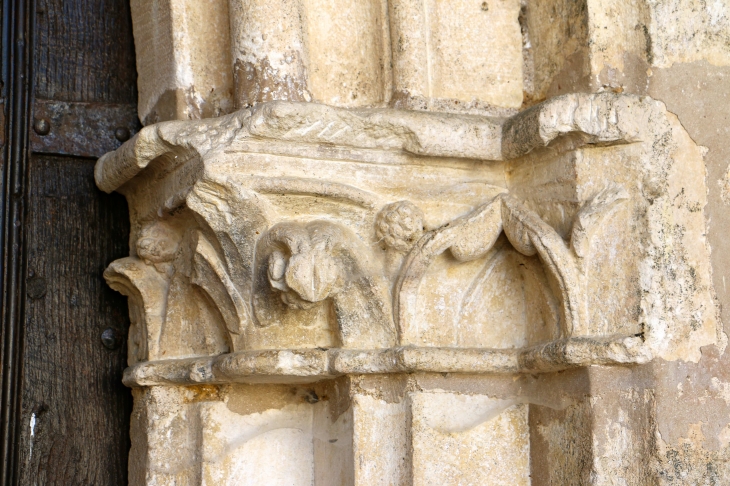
(68, 93)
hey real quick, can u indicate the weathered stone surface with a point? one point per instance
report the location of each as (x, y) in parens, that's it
(439, 243)
(268, 51)
(303, 262)
(183, 59)
(468, 439)
(556, 41)
(200, 59)
(685, 31)
(461, 54)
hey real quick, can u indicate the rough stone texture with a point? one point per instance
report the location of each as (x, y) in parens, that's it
(349, 52)
(506, 284)
(268, 51)
(692, 410)
(368, 53)
(556, 41)
(468, 439)
(461, 54)
(183, 59)
(383, 251)
(685, 31)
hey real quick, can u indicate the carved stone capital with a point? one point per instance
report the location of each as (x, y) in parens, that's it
(295, 226)
(374, 260)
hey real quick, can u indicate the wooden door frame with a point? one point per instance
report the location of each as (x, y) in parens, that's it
(69, 64)
(17, 48)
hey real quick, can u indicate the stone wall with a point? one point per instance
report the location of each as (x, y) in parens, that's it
(428, 242)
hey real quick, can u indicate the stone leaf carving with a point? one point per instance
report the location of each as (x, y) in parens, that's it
(145, 280)
(590, 216)
(469, 237)
(142, 284)
(530, 235)
(475, 235)
(228, 181)
(211, 275)
(231, 218)
(310, 263)
(399, 225)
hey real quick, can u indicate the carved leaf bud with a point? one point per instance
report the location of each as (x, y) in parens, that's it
(399, 225)
(313, 275)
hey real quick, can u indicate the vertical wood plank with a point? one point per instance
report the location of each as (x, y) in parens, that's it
(84, 51)
(75, 421)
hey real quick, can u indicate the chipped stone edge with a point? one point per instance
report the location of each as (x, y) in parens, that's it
(309, 365)
(419, 133)
(596, 118)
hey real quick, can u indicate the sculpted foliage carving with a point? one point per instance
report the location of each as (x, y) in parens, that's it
(475, 234)
(243, 265)
(399, 225)
(270, 235)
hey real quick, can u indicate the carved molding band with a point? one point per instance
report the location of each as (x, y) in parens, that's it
(311, 365)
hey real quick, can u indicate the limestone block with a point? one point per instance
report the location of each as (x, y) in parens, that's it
(509, 284)
(370, 249)
(468, 439)
(183, 59)
(330, 433)
(333, 426)
(380, 440)
(200, 59)
(226, 435)
(161, 417)
(349, 52)
(410, 43)
(462, 53)
(597, 45)
(236, 448)
(589, 46)
(689, 30)
(333, 52)
(619, 45)
(556, 42)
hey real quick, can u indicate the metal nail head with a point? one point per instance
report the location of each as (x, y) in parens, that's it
(121, 134)
(42, 126)
(111, 338)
